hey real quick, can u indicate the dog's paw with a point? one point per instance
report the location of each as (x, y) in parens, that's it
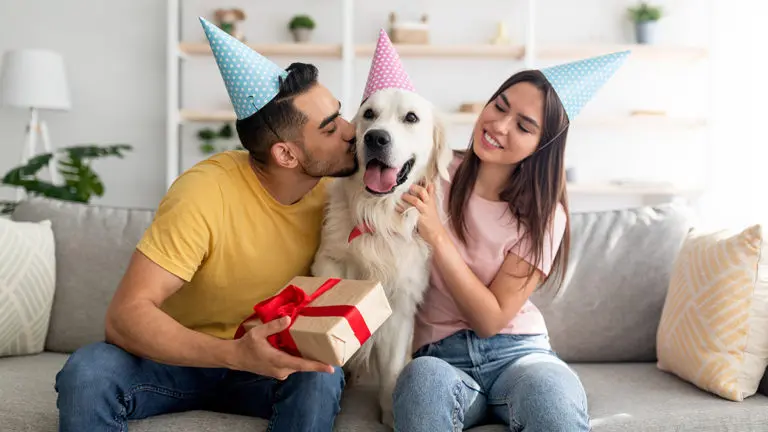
(411, 218)
(388, 418)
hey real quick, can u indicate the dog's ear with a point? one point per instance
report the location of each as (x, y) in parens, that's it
(441, 155)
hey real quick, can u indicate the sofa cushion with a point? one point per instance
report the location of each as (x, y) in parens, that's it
(622, 397)
(27, 393)
(638, 397)
(610, 303)
(27, 283)
(93, 247)
(29, 404)
(607, 310)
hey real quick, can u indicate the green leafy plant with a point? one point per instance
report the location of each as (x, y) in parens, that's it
(81, 182)
(209, 137)
(301, 21)
(645, 13)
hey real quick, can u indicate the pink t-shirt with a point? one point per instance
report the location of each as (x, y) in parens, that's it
(492, 234)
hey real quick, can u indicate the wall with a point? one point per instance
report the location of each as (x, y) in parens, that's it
(115, 52)
(115, 58)
(738, 177)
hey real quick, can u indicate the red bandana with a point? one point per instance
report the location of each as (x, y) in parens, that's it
(358, 231)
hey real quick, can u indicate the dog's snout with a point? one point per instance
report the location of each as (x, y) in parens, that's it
(377, 138)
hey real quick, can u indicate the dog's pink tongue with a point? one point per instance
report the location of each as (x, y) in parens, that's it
(380, 179)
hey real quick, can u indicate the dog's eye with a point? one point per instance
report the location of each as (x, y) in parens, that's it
(411, 118)
(368, 114)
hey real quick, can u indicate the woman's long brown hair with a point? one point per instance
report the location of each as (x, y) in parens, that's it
(536, 184)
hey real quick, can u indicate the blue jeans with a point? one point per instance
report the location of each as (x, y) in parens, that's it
(101, 387)
(464, 381)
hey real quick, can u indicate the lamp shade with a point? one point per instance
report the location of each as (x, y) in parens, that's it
(34, 79)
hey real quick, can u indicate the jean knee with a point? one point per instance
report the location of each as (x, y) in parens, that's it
(429, 395)
(317, 385)
(550, 386)
(558, 381)
(426, 375)
(92, 365)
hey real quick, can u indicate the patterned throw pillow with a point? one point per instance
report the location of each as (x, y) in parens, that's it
(714, 326)
(27, 283)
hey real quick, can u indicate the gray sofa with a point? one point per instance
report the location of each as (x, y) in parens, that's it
(603, 322)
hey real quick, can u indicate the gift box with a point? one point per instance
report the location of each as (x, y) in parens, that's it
(330, 318)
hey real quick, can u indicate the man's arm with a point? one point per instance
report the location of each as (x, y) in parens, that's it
(174, 246)
(135, 322)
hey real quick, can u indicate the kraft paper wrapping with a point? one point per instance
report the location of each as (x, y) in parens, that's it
(331, 340)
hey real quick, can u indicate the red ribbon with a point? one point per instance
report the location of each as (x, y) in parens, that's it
(292, 301)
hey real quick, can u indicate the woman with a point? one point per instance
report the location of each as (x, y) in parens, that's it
(481, 347)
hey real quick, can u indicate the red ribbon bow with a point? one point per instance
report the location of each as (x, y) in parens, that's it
(292, 301)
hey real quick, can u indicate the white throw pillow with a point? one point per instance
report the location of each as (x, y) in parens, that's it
(27, 284)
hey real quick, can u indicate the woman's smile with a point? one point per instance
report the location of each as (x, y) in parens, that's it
(490, 141)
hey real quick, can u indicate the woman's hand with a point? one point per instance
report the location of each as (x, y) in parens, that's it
(423, 199)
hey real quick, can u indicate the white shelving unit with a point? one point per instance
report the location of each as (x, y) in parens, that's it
(638, 121)
(347, 51)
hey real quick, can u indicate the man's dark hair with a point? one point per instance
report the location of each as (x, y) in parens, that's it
(278, 120)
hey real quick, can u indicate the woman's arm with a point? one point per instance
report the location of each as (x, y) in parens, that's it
(487, 309)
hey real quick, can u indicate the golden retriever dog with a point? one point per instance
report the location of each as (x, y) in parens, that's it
(400, 141)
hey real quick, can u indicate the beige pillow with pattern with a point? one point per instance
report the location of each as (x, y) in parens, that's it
(714, 326)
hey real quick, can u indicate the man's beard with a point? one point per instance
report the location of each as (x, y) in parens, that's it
(318, 168)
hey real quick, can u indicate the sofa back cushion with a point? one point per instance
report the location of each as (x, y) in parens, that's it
(608, 308)
(609, 305)
(93, 247)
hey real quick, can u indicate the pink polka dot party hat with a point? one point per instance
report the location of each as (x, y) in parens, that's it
(386, 69)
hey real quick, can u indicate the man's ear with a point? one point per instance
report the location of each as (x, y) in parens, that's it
(442, 155)
(285, 154)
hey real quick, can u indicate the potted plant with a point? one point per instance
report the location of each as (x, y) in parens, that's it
(81, 182)
(301, 26)
(645, 17)
(208, 138)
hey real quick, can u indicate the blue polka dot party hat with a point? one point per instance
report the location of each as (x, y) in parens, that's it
(577, 82)
(251, 79)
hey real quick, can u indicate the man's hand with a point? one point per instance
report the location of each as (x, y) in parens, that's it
(135, 322)
(254, 354)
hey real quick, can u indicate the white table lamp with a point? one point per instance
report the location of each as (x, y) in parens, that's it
(35, 80)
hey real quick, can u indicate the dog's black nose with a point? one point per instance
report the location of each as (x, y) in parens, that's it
(377, 138)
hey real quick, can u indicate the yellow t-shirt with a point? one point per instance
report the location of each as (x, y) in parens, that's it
(218, 229)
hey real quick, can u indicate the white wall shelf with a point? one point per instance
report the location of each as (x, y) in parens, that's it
(282, 49)
(643, 52)
(460, 118)
(193, 116)
(648, 52)
(347, 51)
(640, 189)
(482, 51)
(627, 121)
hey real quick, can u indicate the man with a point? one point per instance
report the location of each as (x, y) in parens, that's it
(230, 232)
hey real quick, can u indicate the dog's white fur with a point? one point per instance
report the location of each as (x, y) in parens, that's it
(394, 254)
